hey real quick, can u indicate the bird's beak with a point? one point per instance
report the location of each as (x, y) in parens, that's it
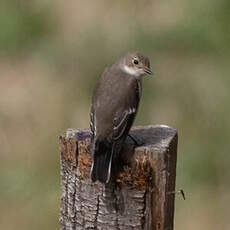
(148, 71)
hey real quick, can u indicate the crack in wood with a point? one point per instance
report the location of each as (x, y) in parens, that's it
(97, 212)
(117, 208)
(144, 210)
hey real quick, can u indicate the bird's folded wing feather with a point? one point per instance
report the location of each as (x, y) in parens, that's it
(92, 122)
(122, 125)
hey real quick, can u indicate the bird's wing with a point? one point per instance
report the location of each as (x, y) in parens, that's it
(92, 122)
(124, 121)
(122, 125)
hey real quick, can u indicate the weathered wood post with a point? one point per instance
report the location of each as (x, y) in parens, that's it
(141, 194)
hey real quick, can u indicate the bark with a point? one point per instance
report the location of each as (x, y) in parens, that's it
(140, 195)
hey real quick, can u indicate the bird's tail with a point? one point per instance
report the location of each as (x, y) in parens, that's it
(102, 154)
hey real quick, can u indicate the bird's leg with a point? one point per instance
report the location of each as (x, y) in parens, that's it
(135, 141)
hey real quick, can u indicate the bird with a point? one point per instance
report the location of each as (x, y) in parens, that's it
(114, 107)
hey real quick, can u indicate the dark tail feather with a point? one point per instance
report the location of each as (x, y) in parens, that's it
(102, 160)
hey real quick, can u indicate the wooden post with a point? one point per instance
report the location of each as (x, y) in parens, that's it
(141, 195)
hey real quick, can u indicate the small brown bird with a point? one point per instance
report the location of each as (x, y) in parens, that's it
(114, 107)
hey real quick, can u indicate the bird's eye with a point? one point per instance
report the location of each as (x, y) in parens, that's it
(135, 61)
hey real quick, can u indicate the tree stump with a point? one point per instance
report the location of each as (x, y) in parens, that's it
(141, 194)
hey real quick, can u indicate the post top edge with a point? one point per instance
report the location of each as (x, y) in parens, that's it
(151, 134)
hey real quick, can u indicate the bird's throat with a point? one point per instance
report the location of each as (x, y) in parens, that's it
(132, 71)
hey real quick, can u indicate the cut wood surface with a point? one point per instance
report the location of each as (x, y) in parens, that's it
(140, 194)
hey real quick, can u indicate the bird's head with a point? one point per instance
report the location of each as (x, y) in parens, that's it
(136, 64)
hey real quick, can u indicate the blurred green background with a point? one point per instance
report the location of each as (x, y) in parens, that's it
(52, 53)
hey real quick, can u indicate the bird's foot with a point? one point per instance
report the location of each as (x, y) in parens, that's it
(136, 142)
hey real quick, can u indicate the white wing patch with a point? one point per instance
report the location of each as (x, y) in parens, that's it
(130, 111)
(127, 112)
(93, 127)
